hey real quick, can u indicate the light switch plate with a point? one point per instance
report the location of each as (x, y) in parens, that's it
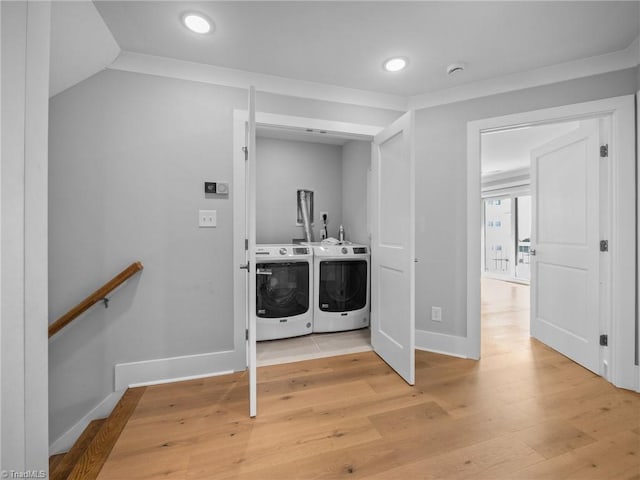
(207, 218)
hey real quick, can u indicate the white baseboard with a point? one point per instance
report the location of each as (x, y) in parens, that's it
(103, 409)
(149, 372)
(174, 369)
(442, 343)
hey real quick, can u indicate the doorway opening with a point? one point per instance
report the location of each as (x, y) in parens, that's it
(506, 232)
(330, 159)
(615, 297)
(333, 172)
(392, 277)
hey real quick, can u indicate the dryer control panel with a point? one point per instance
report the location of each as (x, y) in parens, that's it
(280, 251)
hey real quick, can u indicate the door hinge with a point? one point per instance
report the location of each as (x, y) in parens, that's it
(604, 245)
(246, 153)
(246, 334)
(604, 340)
(604, 150)
(246, 244)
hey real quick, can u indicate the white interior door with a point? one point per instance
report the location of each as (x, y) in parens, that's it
(565, 239)
(251, 250)
(392, 247)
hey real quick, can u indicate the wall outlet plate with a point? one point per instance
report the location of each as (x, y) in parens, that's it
(436, 314)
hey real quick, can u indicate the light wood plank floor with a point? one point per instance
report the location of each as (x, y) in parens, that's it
(523, 411)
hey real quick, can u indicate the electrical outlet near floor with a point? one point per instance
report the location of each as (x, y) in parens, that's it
(436, 314)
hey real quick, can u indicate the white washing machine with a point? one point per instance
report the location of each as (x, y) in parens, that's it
(341, 287)
(284, 293)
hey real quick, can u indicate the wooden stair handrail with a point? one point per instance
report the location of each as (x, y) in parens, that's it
(94, 298)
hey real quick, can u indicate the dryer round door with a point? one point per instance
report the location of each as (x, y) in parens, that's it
(282, 289)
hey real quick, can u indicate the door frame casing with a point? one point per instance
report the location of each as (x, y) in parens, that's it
(356, 131)
(622, 370)
(24, 391)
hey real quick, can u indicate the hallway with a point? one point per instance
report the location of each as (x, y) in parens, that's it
(505, 317)
(523, 411)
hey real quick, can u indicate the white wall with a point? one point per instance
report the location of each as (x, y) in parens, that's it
(128, 157)
(356, 159)
(441, 156)
(283, 168)
(23, 240)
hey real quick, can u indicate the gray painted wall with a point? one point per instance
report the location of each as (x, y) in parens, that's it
(282, 168)
(336, 174)
(273, 103)
(128, 157)
(441, 162)
(356, 158)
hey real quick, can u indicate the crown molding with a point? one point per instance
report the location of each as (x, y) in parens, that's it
(620, 60)
(199, 72)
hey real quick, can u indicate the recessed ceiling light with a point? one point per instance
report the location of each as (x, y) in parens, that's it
(395, 64)
(198, 23)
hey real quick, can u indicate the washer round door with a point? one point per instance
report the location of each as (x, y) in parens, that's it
(282, 289)
(343, 285)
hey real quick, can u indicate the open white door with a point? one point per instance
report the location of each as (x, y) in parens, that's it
(565, 245)
(393, 247)
(250, 244)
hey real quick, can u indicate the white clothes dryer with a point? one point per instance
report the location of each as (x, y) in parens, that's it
(284, 279)
(341, 287)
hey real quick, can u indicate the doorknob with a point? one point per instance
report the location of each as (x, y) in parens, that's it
(244, 266)
(532, 252)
